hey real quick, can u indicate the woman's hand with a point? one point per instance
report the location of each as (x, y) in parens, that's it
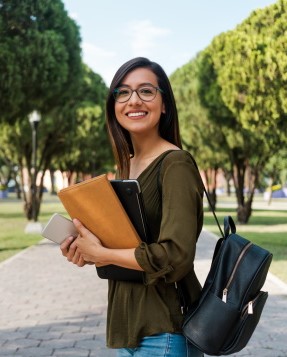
(70, 251)
(88, 245)
(84, 249)
(88, 249)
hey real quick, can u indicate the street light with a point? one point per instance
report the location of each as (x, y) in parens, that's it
(34, 119)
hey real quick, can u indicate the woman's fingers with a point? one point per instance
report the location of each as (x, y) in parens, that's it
(72, 250)
(80, 227)
(76, 257)
(75, 249)
(66, 244)
(81, 262)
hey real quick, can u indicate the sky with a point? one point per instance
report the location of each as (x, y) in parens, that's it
(170, 32)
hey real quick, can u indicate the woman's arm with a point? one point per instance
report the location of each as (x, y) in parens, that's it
(88, 248)
(172, 257)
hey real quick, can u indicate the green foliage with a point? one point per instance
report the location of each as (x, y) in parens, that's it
(276, 168)
(251, 62)
(196, 128)
(40, 68)
(88, 151)
(232, 100)
(72, 137)
(242, 85)
(40, 57)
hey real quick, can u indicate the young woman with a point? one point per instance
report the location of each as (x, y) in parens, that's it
(144, 319)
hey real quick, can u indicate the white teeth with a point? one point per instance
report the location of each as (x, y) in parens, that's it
(136, 114)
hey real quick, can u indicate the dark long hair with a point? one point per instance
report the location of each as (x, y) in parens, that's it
(120, 137)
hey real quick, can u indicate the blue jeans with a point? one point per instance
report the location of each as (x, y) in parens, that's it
(161, 345)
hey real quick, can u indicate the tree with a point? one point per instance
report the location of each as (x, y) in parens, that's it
(235, 79)
(40, 68)
(72, 130)
(196, 130)
(252, 71)
(40, 57)
(89, 152)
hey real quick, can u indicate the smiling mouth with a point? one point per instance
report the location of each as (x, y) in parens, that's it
(137, 114)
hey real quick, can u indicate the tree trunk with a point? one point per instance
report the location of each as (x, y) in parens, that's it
(32, 200)
(244, 212)
(211, 181)
(18, 190)
(53, 187)
(244, 208)
(28, 207)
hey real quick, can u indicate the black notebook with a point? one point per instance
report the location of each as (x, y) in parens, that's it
(130, 195)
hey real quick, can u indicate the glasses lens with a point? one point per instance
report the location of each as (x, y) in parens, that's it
(147, 93)
(122, 94)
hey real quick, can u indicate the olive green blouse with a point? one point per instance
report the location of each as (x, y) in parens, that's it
(175, 221)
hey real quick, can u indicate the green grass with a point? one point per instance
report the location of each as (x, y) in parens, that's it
(265, 229)
(262, 230)
(13, 239)
(258, 217)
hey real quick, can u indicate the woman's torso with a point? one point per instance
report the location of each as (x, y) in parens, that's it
(138, 310)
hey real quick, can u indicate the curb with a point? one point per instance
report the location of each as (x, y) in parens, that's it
(277, 281)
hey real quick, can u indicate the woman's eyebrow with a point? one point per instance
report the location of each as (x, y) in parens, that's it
(140, 85)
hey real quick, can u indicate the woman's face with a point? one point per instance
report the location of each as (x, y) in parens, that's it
(135, 115)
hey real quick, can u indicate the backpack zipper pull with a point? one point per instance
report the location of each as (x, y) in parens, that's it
(224, 296)
(250, 307)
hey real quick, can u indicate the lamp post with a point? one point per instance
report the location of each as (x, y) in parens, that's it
(34, 227)
(34, 119)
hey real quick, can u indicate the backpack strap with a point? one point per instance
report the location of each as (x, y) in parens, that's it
(178, 286)
(159, 186)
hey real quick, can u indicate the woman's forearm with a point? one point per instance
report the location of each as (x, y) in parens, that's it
(121, 257)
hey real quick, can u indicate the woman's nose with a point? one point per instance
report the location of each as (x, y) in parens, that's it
(134, 98)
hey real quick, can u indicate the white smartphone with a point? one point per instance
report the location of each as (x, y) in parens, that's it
(59, 228)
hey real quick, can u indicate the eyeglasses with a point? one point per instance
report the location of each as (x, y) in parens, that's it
(145, 93)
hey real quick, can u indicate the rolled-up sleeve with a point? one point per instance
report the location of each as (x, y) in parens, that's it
(172, 256)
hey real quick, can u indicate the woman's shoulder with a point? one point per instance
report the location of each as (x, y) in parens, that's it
(177, 156)
(179, 163)
(179, 166)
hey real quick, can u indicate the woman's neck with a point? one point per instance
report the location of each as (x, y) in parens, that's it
(145, 151)
(147, 147)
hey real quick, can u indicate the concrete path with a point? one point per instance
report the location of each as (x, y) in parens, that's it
(48, 307)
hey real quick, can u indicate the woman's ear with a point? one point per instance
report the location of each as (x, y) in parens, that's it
(163, 108)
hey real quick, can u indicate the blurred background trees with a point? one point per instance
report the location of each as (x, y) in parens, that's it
(41, 69)
(231, 99)
(239, 84)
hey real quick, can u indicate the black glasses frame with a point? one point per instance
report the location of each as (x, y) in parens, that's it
(136, 90)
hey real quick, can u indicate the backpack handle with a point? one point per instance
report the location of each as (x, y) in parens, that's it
(229, 225)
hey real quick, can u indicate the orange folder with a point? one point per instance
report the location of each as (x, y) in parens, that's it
(95, 203)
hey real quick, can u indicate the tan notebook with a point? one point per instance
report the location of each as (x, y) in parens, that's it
(96, 205)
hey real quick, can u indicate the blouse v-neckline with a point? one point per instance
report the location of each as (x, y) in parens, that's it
(153, 162)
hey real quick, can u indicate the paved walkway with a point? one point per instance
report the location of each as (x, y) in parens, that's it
(48, 307)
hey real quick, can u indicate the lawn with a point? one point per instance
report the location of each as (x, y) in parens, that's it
(13, 223)
(266, 228)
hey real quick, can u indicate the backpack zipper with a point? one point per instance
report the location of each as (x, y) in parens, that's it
(249, 307)
(225, 290)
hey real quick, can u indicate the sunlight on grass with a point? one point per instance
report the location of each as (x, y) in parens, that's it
(13, 222)
(264, 230)
(279, 268)
(13, 238)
